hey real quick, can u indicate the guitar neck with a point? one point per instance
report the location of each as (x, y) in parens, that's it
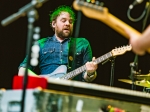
(79, 70)
(119, 26)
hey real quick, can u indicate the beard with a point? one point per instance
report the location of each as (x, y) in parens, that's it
(63, 34)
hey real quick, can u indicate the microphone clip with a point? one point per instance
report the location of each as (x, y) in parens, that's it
(110, 59)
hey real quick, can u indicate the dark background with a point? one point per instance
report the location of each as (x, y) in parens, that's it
(103, 39)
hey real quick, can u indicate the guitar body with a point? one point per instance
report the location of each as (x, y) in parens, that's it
(57, 73)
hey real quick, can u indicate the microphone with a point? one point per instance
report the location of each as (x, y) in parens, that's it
(136, 2)
(22, 11)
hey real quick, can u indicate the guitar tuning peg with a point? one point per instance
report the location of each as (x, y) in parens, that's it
(97, 2)
(101, 4)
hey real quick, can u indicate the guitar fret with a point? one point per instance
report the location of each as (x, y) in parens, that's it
(102, 58)
(98, 60)
(77, 71)
(72, 75)
(84, 68)
(109, 54)
(106, 56)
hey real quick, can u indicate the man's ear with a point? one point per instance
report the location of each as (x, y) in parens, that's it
(53, 24)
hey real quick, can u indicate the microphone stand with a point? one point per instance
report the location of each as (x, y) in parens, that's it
(134, 67)
(112, 71)
(32, 16)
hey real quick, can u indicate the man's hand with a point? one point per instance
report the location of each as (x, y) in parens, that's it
(91, 67)
(140, 43)
(90, 73)
(136, 44)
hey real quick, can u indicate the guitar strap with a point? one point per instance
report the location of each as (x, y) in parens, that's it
(71, 55)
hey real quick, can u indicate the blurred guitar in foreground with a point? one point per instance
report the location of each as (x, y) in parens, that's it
(101, 13)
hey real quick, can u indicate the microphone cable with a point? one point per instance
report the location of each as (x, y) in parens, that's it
(140, 17)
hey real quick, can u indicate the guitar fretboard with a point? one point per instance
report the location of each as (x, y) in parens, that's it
(81, 69)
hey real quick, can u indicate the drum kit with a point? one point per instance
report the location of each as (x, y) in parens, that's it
(139, 80)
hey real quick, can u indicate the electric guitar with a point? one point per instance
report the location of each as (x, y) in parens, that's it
(60, 72)
(101, 13)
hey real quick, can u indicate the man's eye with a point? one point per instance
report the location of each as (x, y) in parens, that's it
(70, 22)
(63, 20)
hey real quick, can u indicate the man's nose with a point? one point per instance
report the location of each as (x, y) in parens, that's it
(67, 23)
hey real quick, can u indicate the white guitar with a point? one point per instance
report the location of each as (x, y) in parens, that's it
(60, 72)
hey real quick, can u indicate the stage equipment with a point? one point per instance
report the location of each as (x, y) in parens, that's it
(74, 96)
(136, 2)
(143, 83)
(142, 77)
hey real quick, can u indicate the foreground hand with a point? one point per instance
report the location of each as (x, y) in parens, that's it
(135, 42)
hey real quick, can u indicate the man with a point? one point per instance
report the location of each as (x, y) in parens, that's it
(54, 50)
(140, 44)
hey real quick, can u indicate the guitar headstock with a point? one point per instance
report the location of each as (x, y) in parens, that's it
(91, 10)
(121, 50)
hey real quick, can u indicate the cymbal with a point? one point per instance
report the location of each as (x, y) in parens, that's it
(142, 77)
(143, 83)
